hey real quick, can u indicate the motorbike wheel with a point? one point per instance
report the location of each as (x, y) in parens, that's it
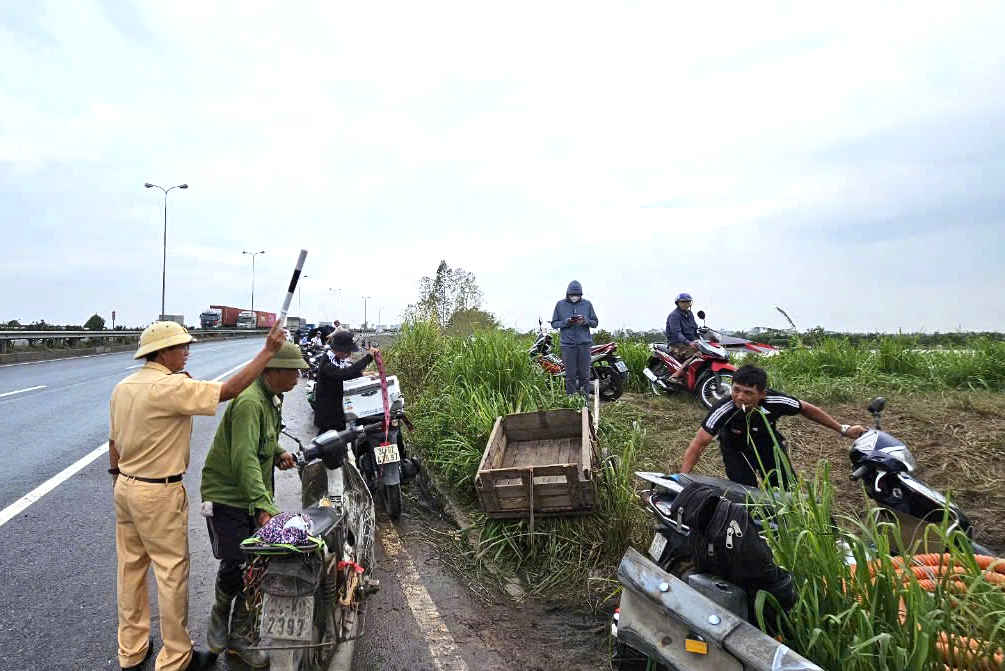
(611, 384)
(659, 369)
(713, 387)
(392, 501)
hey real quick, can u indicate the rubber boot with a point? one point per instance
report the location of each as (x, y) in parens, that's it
(241, 636)
(218, 633)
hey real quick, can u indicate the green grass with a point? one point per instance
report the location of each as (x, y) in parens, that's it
(866, 616)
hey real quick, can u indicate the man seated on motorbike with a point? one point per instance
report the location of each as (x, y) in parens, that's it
(745, 425)
(681, 333)
(237, 493)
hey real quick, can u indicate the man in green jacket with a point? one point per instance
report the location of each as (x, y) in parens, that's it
(237, 490)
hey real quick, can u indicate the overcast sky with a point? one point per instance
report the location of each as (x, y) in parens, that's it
(844, 161)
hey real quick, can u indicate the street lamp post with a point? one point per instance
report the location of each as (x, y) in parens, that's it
(366, 322)
(335, 293)
(253, 255)
(164, 261)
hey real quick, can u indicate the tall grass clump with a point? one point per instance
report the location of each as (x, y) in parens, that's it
(860, 609)
(636, 355)
(462, 385)
(839, 369)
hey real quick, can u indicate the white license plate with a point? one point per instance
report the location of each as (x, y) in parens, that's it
(386, 454)
(287, 617)
(621, 366)
(658, 545)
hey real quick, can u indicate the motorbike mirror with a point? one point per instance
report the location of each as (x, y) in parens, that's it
(701, 314)
(877, 405)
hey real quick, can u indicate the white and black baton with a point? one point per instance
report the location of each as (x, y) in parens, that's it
(292, 289)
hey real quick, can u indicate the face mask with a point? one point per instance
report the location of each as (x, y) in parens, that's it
(574, 299)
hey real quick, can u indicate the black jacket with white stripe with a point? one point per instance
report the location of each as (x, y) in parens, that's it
(747, 439)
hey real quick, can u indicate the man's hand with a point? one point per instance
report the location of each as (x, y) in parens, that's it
(855, 431)
(276, 338)
(263, 518)
(694, 344)
(373, 351)
(285, 461)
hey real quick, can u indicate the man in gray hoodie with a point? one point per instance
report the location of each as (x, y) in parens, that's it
(575, 317)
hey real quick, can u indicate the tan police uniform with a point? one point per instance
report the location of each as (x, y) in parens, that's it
(151, 426)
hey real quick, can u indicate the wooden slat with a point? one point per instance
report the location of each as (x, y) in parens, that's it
(518, 473)
(572, 483)
(487, 491)
(493, 440)
(541, 425)
(517, 490)
(585, 462)
(541, 504)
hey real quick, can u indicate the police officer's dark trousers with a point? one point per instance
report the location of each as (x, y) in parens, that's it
(577, 367)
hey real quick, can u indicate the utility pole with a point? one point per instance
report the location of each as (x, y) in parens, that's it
(365, 299)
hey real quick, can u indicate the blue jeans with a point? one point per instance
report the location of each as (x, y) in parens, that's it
(577, 367)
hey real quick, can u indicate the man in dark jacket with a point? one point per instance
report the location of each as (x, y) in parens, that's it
(575, 317)
(333, 370)
(682, 332)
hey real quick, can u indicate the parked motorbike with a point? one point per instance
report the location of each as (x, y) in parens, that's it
(709, 374)
(882, 462)
(312, 596)
(383, 459)
(605, 363)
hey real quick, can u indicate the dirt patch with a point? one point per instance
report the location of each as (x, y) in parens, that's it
(958, 439)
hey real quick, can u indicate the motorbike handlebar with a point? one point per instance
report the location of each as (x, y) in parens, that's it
(859, 472)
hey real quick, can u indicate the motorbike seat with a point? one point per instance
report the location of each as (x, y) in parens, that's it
(323, 520)
(662, 348)
(597, 348)
(733, 491)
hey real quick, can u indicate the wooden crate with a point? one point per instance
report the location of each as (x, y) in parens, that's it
(538, 463)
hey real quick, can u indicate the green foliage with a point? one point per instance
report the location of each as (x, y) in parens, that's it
(94, 323)
(465, 322)
(840, 369)
(857, 609)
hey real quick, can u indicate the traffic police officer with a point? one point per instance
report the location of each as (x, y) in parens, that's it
(148, 449)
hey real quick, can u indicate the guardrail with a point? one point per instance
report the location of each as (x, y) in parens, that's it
(60, 335)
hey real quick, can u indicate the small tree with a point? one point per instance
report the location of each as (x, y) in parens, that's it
(95, 323)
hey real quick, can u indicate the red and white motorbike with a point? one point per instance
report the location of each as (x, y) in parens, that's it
(605, 363)
(709, 374)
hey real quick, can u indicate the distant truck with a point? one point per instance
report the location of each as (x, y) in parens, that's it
(211, 318)
(265, 320)
(293, 324)
(228, 315)
(246, 320)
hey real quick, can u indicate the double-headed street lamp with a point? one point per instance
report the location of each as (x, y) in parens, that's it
(253, 255)
(366, 322)
(164, 266)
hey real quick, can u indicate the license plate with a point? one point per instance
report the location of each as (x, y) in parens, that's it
(658, 545)
(287, 617)
(386, 454)
(621, 366)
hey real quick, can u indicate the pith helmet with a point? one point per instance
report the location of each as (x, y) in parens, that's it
(288, 356)
(161, 335)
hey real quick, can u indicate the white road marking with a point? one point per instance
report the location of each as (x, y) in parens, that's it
(34, 495)
(91, 356)
(21, 391)
(442, 647)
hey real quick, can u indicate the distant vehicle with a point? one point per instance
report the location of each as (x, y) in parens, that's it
(246, 320)
(264, 320)
(211, 318)
(293, 324)
(228, 315)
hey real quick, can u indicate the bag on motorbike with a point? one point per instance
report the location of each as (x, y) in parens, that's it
(695, 505)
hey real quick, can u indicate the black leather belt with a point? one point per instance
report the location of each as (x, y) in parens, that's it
(156, 481)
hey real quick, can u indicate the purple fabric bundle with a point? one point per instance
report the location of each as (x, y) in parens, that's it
(288, 528)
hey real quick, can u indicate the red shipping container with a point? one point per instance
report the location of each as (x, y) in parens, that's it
(265, 320)
(230, 314)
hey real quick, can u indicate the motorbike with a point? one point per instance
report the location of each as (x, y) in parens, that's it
(882, 462)
(383, 458)
(311, 607)
(709, 374)
(605, 363)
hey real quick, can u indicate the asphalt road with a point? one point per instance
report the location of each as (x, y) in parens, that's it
(57, 557)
